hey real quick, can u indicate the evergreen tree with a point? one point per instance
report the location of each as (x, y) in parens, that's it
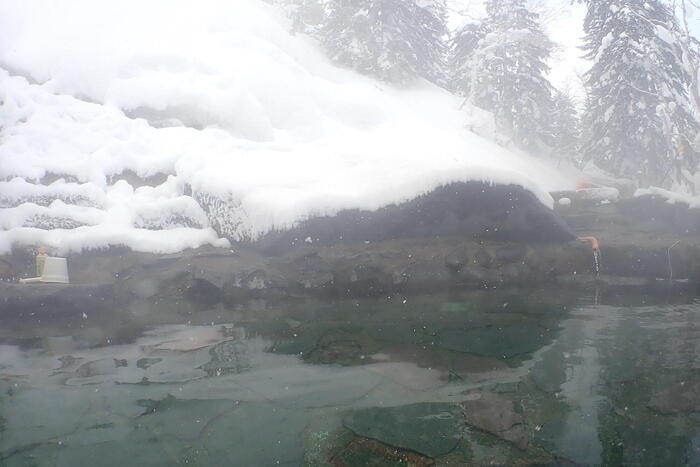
(462, 62)
(638, 114)
(500, 65)
(565, 125)
(307, 16)
(394, 40)
(437, 7)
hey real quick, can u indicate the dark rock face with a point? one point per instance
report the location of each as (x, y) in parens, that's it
(658, 214)
(257, 283)
(456, 260)
(27, 300)
(421, 259)
(482, 258)
(474, 209)
(511, 253)
(7, 271)
(368, 280)
(313, 272)
(203, 292)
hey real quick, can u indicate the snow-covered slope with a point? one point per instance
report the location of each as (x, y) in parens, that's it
(219, 96)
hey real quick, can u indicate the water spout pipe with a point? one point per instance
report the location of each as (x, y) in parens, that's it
(595, 245)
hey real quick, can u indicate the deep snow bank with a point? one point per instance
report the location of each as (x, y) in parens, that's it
(231, 105)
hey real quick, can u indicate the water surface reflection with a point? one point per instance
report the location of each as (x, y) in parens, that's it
(492, 377)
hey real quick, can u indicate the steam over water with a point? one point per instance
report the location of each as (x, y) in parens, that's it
(294, 382)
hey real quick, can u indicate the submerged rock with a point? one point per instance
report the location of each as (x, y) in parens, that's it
(341, 348)
(255, 433)
(67, 361)
(146, 362)
(105, 366)
(183, 419)
(431, 429)
(681, 397)
(370, 452)
(228, 357)
(495, 341)
(495, 414)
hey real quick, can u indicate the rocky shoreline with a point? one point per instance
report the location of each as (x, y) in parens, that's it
(644, 242)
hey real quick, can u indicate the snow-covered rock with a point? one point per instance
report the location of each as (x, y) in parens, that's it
(249, 121)
(671, 197)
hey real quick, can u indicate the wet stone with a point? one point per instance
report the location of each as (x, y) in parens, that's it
(430, 429)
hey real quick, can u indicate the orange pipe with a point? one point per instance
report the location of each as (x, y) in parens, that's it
(593, 241)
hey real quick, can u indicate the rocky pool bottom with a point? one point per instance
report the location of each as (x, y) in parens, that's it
(506, 377)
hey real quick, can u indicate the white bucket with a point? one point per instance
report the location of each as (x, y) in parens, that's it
(55, 270)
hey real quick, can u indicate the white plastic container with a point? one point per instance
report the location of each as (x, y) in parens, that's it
(55, 271)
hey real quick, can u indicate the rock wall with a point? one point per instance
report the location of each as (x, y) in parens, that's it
(470, 209)
(442, 250)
